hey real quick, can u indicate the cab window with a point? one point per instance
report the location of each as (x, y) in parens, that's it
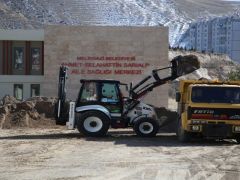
(89, 92)
(109, 93)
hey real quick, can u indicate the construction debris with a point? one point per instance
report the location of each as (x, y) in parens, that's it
(33, 112)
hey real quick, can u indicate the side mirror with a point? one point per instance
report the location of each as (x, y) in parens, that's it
(178, 96)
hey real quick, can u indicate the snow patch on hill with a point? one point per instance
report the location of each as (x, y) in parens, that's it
(176, 14)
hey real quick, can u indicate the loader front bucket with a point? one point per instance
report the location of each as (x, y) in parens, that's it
(182, 65)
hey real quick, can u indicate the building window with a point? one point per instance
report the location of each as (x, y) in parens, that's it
(18, 58)
(35, 59)
(35, 90)
(21, 57)
(18, 91)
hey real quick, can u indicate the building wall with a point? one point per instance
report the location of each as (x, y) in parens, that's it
(235, 43)
(1, 57)
(128, 54)
(7, 84)
(21, 62)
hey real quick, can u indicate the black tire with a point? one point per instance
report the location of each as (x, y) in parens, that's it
(151, 127)
(93, 123)
(183, 136)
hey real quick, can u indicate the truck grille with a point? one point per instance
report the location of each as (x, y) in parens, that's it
(215, 113)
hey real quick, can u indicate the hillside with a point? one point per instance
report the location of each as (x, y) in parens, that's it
(176, 14)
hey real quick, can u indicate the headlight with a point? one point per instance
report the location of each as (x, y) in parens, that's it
(195, 128)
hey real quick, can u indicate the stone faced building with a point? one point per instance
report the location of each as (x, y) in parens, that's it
(21, 63)
(127, 54)
(30, 59)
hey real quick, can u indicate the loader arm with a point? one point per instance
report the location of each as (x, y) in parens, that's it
(180, 66)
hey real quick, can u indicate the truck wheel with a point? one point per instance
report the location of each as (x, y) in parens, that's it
(146, 127)
(93, 123)
(183, 136)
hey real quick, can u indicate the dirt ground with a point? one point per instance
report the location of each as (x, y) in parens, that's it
(63, 154)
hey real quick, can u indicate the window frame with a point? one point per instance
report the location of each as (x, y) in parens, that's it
(82, 92)
(31, 87)
(14, 87)
(116, 88)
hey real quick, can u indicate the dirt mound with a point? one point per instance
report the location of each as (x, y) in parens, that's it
(33, 112)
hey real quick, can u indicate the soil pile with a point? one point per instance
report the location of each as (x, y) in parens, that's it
(33, 112)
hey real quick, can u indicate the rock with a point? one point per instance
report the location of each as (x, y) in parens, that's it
(20, 119)
(42, 98)
(25, 105)
(9, 100)
(45, 107)
(4, 122)
(34, 115)
(4, 110)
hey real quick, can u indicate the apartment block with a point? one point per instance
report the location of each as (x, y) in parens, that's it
(218, 35)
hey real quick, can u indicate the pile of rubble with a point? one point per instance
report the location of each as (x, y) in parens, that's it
(33, 112)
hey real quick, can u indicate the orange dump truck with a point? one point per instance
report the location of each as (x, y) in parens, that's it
(208, 109)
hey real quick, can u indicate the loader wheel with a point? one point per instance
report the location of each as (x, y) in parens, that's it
(183, 136)
(146, 127)
(93, 123)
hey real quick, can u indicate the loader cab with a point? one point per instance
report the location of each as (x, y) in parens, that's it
(101, 92)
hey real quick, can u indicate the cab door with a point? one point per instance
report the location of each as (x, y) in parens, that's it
(88, 94)
(111, 99)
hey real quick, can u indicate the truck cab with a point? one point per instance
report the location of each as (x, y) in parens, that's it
(208, 109)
